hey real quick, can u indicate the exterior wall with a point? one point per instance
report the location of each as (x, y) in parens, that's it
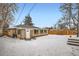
(1, 23)
(35, 32)
(27, 33)
(39, 33)
(11, 32)
(1, 32)
(21, 33)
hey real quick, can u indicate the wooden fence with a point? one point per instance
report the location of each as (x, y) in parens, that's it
(62, 32)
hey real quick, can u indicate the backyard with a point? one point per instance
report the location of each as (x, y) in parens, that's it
(50, 45)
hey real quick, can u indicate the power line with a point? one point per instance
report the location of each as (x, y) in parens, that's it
(31, 9)
(20, 14)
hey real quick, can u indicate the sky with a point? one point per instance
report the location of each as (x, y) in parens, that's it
(43, 14)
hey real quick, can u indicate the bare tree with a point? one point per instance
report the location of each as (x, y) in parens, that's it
(62, 23)
(76, 17)
(7, 11)
(66, 8)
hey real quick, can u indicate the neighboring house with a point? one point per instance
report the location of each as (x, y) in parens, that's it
(1, 30)
(1, 22)
(26, 32)
(3, 27)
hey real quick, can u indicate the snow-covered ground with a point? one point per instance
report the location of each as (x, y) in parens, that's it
(50, 45)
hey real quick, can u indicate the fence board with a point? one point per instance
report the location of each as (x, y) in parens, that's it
(62, 31)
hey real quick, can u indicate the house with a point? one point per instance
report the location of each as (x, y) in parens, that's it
(26, 32)
(1, 30)
(3, 27)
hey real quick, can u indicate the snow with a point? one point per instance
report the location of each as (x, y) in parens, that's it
(50, 45)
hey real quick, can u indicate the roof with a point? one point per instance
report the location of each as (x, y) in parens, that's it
(26, 26)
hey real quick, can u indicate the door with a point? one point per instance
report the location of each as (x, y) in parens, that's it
(28, 34)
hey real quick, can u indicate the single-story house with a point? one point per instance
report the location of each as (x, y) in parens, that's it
(26, 32)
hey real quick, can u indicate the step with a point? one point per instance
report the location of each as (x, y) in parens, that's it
(73, 43)
(73, 38)
(70, 40)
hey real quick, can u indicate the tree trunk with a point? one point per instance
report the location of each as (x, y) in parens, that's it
(78, 21)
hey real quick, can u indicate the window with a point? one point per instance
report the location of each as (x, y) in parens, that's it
(19, 31)
(45, 31)
(41, 31)
(35, 31)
